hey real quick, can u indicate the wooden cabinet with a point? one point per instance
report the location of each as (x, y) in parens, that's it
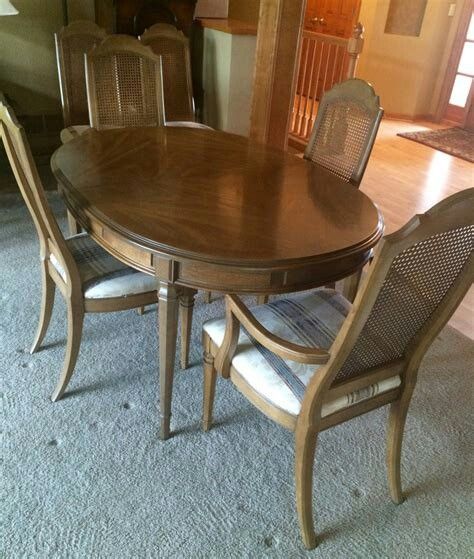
(332, 17)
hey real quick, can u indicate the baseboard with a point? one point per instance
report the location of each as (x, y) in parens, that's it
(409, 118)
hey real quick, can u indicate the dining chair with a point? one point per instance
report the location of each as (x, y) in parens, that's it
(173, 47)
(313, 360)
(88, 277)
(72, 42)
(348, 119)
(345, 129)
(124, 84)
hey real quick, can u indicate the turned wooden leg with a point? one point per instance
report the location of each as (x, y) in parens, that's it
(74, 228)
(396, 425)
(168, 326)
(210, 376)
(75, 319)
(350, 285)
(47, 302)
(262, 299)
(186, 305)
(305, 448)
(207, 296)
(140, 311)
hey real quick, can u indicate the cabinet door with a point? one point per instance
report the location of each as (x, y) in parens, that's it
(333, 17)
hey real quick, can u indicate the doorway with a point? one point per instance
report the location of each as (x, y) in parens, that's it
(456, 103)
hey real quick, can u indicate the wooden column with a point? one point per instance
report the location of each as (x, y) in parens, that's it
(279, 30)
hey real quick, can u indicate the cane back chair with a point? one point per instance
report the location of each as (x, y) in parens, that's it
(173, 47)
(124, 84)
(72, 42)
(313, 361)
(89, 278)
(346, 126)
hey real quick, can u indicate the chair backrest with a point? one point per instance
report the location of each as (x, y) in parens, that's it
(344, 132)
(72, 42)
(152, 12)
(124, 84)
(417, 279)
(26, 174)
(173, 47)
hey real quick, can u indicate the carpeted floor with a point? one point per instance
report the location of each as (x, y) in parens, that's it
(455, 141)
(87, 477)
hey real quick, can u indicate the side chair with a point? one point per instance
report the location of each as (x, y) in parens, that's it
(124, 84)
(313, 361)
(345, 129)
(343, 135)
(88, 277)
(173, 47)
(72, 42)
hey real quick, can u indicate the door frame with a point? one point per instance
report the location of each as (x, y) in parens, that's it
(454, 58)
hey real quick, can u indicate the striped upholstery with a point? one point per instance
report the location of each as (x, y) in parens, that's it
(103, 275)
(312, 319)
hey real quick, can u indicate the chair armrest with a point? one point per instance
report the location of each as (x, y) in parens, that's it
(282, 348)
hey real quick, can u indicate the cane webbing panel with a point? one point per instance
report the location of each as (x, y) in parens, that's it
(74, 82)
(127, 91)
(176, 78)
(417, 282)
(341, 138)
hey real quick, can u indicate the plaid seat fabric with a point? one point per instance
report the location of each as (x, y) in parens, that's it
(312, 319)
(103, 275)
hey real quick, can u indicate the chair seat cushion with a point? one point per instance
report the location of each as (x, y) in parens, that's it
(312, 319)
(187, 124)
(102, 275)
(71, 132)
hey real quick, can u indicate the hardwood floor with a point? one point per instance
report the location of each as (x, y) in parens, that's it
(405, 178)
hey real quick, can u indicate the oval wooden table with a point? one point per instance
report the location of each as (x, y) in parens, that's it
(204, 209)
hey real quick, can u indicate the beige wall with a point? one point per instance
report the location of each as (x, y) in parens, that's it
(28, 63)
(406, 71)
(245, 10)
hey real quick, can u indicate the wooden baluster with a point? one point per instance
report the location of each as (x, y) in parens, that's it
(299, 118)
(354, 48)
(315, 89)
(308, 92)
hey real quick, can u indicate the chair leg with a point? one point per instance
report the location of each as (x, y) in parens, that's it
(210, 376)
(140, 311)
(207, 296)
(262, 299)
(304, 460)
(47, 302)
(396, 425)
(75, 319)
(350, 285)
(74, 228)
(186, 306)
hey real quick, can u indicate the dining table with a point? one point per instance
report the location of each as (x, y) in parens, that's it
(208, 210)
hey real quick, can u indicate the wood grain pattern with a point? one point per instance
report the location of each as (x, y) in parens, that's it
(238, 216)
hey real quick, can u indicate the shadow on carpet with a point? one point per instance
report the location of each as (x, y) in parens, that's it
(455, 141)
(88, 477)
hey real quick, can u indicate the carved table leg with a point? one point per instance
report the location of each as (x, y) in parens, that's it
(168, 326)
(186, 304)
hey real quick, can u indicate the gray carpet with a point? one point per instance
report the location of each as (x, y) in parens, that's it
(88, 478)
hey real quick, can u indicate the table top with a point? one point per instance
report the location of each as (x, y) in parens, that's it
(215, 197)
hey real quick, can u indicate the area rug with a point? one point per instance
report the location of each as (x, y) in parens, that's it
(455, 141)
(87, 477)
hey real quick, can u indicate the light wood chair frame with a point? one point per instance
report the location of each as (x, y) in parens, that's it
(168, 31)
(113, 45)
(53, 243)
(357, 91)
(452, 213)
(75, 29)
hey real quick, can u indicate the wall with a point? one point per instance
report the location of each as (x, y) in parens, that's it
(245, 10)
(28, 73)
(227, 79)
(406, 71)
